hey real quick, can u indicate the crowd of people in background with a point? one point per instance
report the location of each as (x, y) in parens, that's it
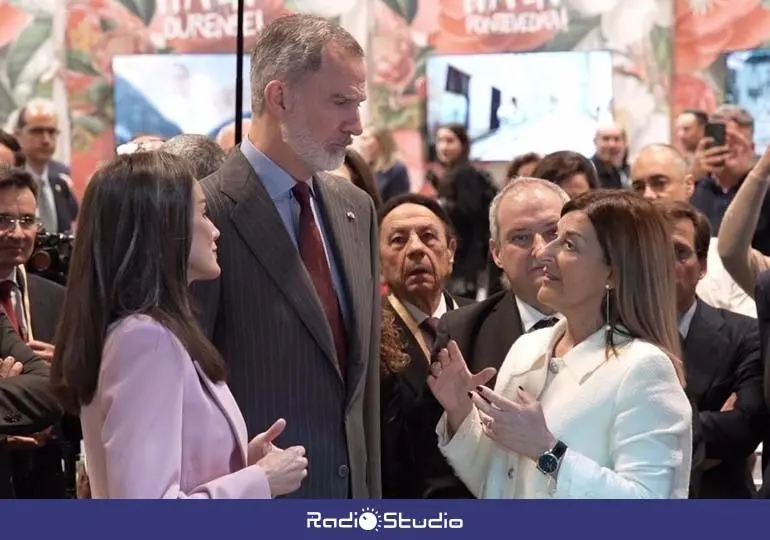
(288, 316)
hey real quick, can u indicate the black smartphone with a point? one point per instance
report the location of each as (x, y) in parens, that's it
(718, 132)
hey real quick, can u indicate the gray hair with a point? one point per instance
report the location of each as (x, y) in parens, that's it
(518, 184)
(290, 48)
(739, 115)
(201, 153)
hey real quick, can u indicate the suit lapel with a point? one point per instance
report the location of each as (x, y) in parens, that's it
(501, 328)
(226, 403)
(259, 225)
(582, 360)
(340, 224)
(417, 371)
(703, 350)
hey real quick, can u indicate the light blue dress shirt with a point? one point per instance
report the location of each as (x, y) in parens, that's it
(278, 184)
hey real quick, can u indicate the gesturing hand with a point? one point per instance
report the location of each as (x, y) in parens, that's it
(262, 444)
(450, 381)
(516, 425)
(285, 470)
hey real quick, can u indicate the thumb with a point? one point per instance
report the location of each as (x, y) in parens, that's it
(483, 377)
(274, 431)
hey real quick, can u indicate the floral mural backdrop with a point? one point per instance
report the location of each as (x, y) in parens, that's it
(667, 54)
(407, 32)
(99, 30)
(704, 31)
(31, 59)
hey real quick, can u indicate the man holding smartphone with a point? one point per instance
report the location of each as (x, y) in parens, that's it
(720, 169)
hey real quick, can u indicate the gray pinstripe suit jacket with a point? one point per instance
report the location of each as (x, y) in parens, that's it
(264, 316)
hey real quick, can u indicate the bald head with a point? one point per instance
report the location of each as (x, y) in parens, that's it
(661, 172)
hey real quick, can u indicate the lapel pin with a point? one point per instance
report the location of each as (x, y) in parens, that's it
(57, 187)
(350, 215)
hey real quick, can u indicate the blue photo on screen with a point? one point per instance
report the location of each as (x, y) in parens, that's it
(169, 94)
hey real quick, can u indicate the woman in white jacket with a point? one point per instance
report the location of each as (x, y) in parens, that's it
(593, 407)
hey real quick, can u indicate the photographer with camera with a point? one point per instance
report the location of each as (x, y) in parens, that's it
(32, 305)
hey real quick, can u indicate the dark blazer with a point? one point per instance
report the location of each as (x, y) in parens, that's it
(26, 403)
(484, 331)
(721, 357)
(45, 301)
(264, 316)
(412, 465)
(64, 200)
(37, 473)
(609, 177)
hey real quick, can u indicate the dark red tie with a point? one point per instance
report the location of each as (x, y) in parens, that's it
(7, 304)
(430, 329)
(311, 250)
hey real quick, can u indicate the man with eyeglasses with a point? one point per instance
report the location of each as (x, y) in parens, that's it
(722, 363)
(32, 305)
(37, 128)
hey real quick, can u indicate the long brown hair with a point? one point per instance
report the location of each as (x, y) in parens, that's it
(637, 247)
(130, 257)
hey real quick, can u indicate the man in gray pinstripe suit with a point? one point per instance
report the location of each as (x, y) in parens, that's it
(301, 334)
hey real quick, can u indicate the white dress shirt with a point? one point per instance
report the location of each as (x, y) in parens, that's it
(420, 316)
(686, 320)
(530, 315)
(719, 289)
(46, 205)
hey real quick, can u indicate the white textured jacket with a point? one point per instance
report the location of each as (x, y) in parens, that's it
(626, 421)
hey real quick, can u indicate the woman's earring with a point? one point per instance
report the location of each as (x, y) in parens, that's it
(608, 326)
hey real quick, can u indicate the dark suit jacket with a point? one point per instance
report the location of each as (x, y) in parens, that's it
(38, 472)
(26, 403)
(264, 316)
(609, 177)
(484, 332)
(722, 357)
(412, 465)
(45, 301)
(64, 199)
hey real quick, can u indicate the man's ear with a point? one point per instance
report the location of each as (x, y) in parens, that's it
(276, 98)
(689, 185)
(452, 246)
(494, 250)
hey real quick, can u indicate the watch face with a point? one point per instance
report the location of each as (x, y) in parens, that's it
(548, 463)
